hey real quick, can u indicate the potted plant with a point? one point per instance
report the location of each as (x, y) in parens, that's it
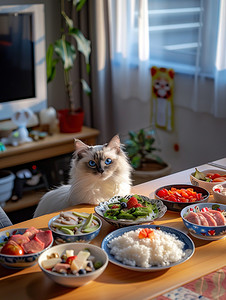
(64, 51)
(141, 150)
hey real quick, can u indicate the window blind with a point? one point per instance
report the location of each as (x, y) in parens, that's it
(178, 34)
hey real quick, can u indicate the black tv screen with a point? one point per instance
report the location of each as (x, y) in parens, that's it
(17, 73)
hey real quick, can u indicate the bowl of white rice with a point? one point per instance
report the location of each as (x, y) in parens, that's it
(166, 248)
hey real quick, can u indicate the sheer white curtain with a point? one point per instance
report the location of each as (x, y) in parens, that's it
(137, 44)
(129, 35)
(220, 73)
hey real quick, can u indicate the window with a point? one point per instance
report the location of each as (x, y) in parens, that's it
(186, 35)
(182, 34)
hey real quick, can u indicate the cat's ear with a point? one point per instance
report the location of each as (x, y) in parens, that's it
(114, 143)
(80, 147)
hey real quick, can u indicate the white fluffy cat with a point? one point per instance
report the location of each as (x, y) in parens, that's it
(97, 174)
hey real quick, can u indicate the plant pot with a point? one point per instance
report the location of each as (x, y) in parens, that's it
(155, 171)
(70, 122)
(6, 186)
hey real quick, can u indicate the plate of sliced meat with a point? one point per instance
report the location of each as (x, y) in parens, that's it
(205, 221)
(21, 247)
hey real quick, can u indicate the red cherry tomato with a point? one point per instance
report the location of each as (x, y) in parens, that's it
(12, 249)
(162, 193)
(70, 259)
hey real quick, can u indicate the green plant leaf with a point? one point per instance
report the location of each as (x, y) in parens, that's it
(66, 52)
(50, 64)
(141, 136)
(136, 161)
(132, 148)
(88, 68)
(68, 21)
(85, 87)
(82, 43)
(132, 135)
(140, 148)
(79, 4)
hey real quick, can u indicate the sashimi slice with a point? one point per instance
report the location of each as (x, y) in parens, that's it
(19, 238)
(218, 217)
(203, 220)
(35, 245)
(192, 217)
(45, 237)
(30, 232)
(209, 219)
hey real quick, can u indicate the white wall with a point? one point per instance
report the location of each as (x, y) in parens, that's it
(200, 136)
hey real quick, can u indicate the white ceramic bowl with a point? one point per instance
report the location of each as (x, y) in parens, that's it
(204, 184)
(219, 193)
(73, 280)
(18, 261)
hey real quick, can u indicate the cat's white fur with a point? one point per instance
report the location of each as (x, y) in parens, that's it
(85, 186)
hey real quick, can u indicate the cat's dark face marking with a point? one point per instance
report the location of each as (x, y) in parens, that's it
(99, 163)
(99, 160)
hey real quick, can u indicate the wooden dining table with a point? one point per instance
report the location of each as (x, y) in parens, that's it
(117, 282)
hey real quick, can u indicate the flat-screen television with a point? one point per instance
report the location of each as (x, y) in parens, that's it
(22, 59)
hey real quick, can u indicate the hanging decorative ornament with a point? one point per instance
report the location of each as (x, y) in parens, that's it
(162, 98)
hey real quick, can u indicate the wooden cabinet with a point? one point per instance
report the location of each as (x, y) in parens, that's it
(51, 146)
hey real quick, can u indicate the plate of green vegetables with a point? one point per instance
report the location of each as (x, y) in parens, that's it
(128, 210)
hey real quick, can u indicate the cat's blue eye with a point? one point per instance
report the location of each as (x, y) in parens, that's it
(92, 163)
(108, 161)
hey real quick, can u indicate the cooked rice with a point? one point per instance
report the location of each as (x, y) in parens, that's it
(162, 250)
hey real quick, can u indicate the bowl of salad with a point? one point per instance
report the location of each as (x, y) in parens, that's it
(20, 248)
(206, 221)
(121, 211)
(73, 264)
(178, 196)
(73, 226)
(207, 179)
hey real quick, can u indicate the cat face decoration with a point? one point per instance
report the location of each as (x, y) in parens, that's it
(162, 97)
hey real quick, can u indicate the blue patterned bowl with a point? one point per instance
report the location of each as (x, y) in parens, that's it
(61, 237)
(204, 232)
(20, 261)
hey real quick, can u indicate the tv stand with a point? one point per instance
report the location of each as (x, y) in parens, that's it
(51, 146)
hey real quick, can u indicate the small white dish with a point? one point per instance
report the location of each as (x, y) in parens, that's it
(205, 184)
(219, 193)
